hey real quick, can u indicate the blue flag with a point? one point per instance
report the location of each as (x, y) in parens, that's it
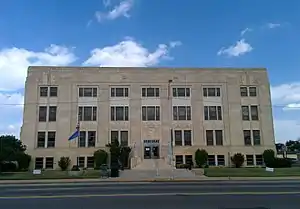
(75, 134)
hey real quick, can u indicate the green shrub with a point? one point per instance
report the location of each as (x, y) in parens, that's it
(269, 157)
(238, 160)
(64, 163)
(201, 157)
(100, 157)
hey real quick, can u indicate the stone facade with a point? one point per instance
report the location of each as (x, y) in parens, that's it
(69, 79)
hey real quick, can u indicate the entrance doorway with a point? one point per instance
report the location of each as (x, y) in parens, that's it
(151, 149)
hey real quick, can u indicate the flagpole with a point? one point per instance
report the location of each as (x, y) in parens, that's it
(78, 137)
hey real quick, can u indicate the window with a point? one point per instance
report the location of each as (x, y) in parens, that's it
(187, 136)
(87, 139)
(211, 92)
(150, 92)
(221, 160)
(219, 137)
(189, 159)
(91, 138)
(42, 113)
(247, 137)
(49, 163)
(150, 113)
(39, 163)
(212, 112)
(209, 137)
(114, 136)
(178, 160)
(252, 92)
(214, 138)
(256, 137)
(250, 160)
(254, 112)
(80, 162)
(53, 91)
(178, 137)
(82, 139)
(181, 113)
(43, 91)
(87, 113)
(181, 92)
(87, 92)
(259, 159)
(120, 136)
(211, 160)
(244, 91)
(52, 114)
(119, 92)
(245, 113)
(124, 138)
(41, 139)
(51, 139)
(90, 162)
(119, 113)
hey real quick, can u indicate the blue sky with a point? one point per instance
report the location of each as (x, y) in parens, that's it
(210, 33)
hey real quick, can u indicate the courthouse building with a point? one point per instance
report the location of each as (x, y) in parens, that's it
(222, 110)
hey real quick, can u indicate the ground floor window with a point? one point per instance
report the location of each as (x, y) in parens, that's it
(211, 160)
(39, 163)
(189, 159)
(221, 160)
(259, 159)
(250, 160)
(80, 162)
(178, 160)
(49, 163)
(90, 162)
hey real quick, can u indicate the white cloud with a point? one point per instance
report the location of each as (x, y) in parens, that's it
(11, 109)
(246, 30)
(13, 69)
(15, 61)
(287, 95)
(121, 10)
(129, 53)
(240, 48)
(273, 25)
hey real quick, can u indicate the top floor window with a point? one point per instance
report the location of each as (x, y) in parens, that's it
(181, 92)
(88, 92)
(119, 92)
(150, 92)
(46, 91)
(248, 91)
(211, 92)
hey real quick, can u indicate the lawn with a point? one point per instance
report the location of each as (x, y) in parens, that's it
(48, 175)
(251, 172)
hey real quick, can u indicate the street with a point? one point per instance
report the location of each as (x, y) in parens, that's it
(163, 195)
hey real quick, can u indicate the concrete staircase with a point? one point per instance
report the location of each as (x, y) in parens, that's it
(156, 169)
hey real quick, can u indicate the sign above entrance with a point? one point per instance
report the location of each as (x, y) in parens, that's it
(151, 141)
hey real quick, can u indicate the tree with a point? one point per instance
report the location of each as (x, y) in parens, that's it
(12, 149)
(269, 157)
(100, 157)
(238, 160)
(201, 157)
(64, 163)
(124, 156)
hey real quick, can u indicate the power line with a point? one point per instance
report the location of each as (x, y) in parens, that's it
(130, 99)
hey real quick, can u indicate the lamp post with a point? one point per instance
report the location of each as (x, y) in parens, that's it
(171, 129)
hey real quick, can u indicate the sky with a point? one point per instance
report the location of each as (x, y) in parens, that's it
(142, 33)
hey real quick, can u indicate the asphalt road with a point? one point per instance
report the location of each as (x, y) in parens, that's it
(206, 195)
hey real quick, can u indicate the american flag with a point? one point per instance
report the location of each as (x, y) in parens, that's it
(78, 126)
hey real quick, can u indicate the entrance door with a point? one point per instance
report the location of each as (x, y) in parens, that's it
(155, 152)
(147, 152)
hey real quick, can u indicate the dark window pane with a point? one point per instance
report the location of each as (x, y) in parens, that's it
(178, 137)
(43, 91)
(187, 138)
(43, 113)
(244, 91)
(53, 91)
(52, 113)
(209, 137)
(51, 139)
(91, 138)
(247, 137)
(41, 139)
(219, 137)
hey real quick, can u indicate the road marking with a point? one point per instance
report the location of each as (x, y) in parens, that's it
(148, 194)
(94, 187)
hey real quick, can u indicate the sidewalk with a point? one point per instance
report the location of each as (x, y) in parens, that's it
(98, 180)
